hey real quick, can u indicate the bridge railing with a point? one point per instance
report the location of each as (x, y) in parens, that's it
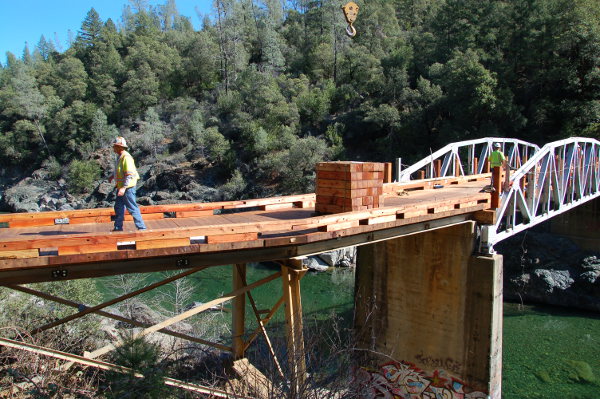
(467, 158)
(560, 176)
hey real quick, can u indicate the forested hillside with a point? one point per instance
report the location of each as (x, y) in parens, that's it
(246, 105)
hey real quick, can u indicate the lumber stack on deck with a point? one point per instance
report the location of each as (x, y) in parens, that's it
(348, 186)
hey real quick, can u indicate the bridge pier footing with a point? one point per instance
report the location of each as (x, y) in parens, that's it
(425, 303)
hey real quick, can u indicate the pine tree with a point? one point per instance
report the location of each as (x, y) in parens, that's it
(91, 28)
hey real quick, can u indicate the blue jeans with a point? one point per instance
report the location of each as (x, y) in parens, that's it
(128, 201)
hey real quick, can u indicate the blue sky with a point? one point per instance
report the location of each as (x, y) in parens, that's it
(27, 20)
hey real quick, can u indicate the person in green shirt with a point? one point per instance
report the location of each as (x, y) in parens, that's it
(125, 177)
(497, 160)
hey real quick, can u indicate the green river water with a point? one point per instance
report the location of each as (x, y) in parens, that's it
(548, 352)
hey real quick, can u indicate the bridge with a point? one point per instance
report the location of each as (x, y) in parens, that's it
(432, 221)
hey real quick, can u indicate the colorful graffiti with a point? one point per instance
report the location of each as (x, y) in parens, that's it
(405, 381)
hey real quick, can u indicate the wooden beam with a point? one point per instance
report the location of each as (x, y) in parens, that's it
(40, 350)
(115, 300)
(294, 327)
(486, 216)
(261, 326)
(102, 313)
(186, 314)
(495, 202)
(19, 254)
(259, 384)
(264, 322)
(194, 214)
(212, 239)
(239, 311)
(162, 243)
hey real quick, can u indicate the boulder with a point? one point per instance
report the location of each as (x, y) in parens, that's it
(344, 257)
(316, 263)
(27, 195)
(544, 268)
(331, 258)
(547, 281)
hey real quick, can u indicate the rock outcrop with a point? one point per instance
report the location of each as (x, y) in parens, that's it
(541, 267)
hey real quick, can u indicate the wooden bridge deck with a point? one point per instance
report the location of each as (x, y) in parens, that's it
(42, 247)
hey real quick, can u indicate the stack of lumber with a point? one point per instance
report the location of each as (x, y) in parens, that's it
(348, 186)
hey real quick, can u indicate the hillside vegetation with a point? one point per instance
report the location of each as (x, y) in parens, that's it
(247, 104)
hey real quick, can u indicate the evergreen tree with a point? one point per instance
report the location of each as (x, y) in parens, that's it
(91, 29)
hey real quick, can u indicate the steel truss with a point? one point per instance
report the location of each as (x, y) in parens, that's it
(562, 175)
(469, 157)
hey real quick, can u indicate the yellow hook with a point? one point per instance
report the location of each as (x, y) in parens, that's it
(350, 13)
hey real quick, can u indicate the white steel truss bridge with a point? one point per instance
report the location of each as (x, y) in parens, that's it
(543, 182)
(557, 178)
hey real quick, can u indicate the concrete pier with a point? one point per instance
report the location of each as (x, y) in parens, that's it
(426, 303)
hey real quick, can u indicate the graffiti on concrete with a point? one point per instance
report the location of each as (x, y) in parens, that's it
(447, 364)
(403, 380)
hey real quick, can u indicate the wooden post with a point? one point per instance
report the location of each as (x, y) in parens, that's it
(293, 315)
(506, 184)
(437, 166)
(475, 165)
(456, 166)
(239, 311)
(387, 173)
(421, 174)
(496, 177)
(523, 181)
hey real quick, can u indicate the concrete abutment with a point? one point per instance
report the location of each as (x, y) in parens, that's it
(429, 314)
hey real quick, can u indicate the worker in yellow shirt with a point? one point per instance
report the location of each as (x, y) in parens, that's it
(497, 160)
(125, 177)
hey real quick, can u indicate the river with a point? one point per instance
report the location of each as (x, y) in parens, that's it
(548, 352)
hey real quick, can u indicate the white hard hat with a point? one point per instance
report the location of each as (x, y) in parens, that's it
(497, 145)
(120, 141)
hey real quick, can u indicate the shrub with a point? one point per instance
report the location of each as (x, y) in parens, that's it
(82, 175)
(52, 166)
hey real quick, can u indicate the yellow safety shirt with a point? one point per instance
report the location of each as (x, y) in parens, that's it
(496, 158)
(126, 174)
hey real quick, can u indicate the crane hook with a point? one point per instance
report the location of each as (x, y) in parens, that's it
(350, 13)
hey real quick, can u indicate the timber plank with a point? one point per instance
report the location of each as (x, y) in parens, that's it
(486, 216)
(86, 249)
(163, 243)
(379, 219)
(188, 214)
(224, 238)
(24, 253)
(31, 222)
(56, 214)
(149, 209)
(146, 216)
(279, 241)
(339, 226)
(333, 175)
(90, 219)
(340, 166)
(271, 207)
(304, 204)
